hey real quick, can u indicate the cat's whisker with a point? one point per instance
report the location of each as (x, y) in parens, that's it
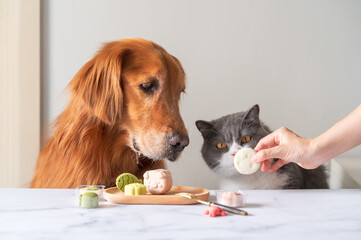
(215, 165)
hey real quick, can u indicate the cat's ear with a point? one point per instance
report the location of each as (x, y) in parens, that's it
(206, 128)
(203, 125)
(252, 113)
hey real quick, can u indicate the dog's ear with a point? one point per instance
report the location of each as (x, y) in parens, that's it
(98, 86)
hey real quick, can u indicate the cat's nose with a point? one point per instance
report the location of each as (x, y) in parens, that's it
(178, 142)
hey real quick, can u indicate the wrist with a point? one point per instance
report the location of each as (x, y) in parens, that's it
(317, 154)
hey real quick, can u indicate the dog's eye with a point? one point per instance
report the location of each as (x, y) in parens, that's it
(221, 146)
(246, 139)
(148, 87)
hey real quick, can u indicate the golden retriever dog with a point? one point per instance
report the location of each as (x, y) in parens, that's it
(123, 116)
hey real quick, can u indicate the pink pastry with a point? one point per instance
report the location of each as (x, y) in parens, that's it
(158, 181)
(232, 199)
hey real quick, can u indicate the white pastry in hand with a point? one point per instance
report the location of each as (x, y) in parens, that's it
(243, 161)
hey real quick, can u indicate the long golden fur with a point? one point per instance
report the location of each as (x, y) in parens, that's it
(123, 103)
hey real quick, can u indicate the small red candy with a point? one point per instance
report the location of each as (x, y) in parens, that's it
(214, 212)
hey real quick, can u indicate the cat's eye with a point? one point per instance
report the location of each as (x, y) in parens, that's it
(221, 146)
(246, 139)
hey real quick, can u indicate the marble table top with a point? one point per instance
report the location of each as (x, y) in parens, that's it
(274, 214)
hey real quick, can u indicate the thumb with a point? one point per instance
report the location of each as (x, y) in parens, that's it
(269, 153)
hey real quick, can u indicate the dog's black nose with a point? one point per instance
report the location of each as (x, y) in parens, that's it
(178, 142)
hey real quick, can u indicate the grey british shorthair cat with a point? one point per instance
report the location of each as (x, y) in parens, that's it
(223, 137)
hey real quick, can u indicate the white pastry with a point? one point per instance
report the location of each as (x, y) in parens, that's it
(243, 161)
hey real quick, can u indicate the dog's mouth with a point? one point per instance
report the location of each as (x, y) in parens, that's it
(168, 154)
(135, 146)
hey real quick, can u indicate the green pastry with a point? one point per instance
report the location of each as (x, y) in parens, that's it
(88, 200)
(124, 179)
(135, 189)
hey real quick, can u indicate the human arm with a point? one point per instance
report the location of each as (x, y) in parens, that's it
(309, 153)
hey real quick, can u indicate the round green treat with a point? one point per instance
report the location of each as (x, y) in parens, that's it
(90, 194)
(124, 179)
(88, 200)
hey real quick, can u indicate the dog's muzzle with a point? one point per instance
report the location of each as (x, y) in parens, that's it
(177, 143)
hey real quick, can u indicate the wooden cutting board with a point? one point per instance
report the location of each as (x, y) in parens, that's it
(114, 195)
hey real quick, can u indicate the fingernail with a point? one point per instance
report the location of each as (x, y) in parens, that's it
(254, 158)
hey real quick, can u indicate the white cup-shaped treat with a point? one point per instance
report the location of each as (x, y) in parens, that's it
(98, 189)
(233, 199)
(243, 161)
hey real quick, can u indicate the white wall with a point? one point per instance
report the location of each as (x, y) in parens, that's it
(19, 91)
(300, 60)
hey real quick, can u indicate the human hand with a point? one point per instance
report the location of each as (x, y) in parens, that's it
(287, 147)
